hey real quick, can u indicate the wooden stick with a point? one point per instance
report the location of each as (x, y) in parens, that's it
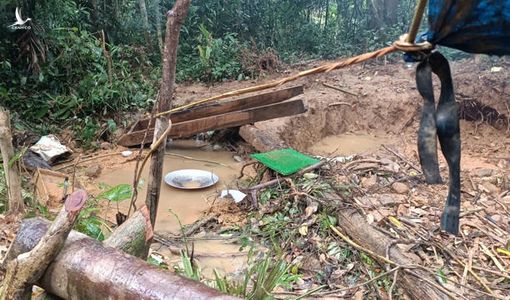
(82, 161)
(339, 89)
(175, 19)
(197, 159)
(403, 159)
(470, 270)
(415, 24)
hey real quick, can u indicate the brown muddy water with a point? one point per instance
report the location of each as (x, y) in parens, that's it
(188, 205)
(211, 254)
(348, 144)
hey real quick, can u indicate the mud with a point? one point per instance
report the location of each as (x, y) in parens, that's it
(386, 111)
(348, 144)
(210, 254)
(188, 205)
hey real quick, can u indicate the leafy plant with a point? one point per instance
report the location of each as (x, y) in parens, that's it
(117, 193)
(155, 261)
(218, 58)
(189, 269)
(259, 280)
(88, 222)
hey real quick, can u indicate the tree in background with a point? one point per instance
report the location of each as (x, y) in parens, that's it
(83, 61)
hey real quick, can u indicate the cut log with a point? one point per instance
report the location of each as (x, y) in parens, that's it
(85, 269)
(26, 269)
(361, 232)
(261, 140)
(132, 236)
(233, 119)
(226, 107)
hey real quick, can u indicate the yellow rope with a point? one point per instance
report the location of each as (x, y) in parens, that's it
(276, 83)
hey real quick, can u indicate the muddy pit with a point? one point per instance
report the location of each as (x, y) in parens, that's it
(188, 205)
(212, 252)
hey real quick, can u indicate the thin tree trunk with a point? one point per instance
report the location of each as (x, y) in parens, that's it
(159, 34)
(145, 20)
(327, 16)
(376, 19)
(391, 8)
(175, 18)
(93, 3)
(11, 170)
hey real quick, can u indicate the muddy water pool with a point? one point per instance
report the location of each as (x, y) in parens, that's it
(348, 144)
(188, 205)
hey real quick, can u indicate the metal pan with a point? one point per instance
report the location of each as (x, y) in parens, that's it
(190, 179)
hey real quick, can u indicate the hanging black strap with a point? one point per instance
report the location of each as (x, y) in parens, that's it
(443, 123)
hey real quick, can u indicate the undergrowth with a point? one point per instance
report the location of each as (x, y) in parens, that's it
(259, 280)
(294, 222)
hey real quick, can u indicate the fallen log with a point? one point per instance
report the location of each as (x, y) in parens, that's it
(356, 227)
(85, 269)
(232, 119)
(26, 269)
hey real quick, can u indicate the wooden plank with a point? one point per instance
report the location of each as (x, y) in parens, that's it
(233, 119)
(217, 108)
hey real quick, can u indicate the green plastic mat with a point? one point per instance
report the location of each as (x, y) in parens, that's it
(285, 161)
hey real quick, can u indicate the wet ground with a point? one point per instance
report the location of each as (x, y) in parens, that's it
(188, 205)
(348, 144)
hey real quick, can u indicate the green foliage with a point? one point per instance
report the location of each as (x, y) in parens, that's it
(189, 269)
(216, 59)
(117, 193)
(441, 276)
(88, 221)
(156, 262)
(65, 78)
(260, 279)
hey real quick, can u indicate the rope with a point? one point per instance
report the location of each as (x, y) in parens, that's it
(402, 44)
(322, 69)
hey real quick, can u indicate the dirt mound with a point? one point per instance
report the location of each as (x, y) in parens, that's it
(383, 100)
